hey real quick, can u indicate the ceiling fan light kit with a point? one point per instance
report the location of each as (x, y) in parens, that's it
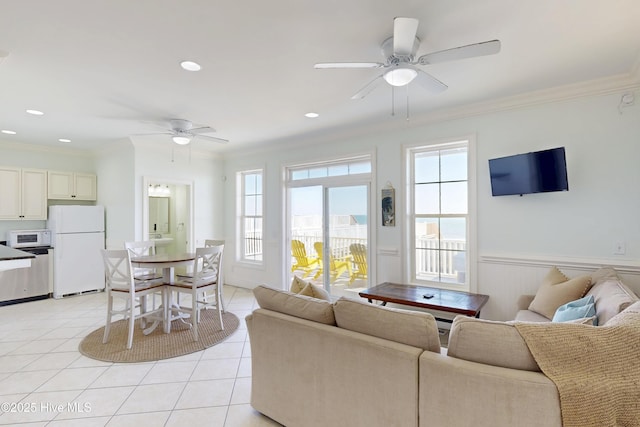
(181, 140)
(401, 75)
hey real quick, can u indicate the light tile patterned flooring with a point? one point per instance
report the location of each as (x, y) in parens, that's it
(45, 381)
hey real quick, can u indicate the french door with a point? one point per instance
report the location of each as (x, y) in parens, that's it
(329, 227)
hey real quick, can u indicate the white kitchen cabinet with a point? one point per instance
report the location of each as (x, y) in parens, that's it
(23, 193)
(72, 186)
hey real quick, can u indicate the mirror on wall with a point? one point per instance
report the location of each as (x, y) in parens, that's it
(158, 215)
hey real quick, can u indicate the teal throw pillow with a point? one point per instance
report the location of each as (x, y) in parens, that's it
(578, 309)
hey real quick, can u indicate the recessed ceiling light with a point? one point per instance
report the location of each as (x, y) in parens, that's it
(64, 140)
(190, 66)
(8, 132)
(35, 112)
(312, 115)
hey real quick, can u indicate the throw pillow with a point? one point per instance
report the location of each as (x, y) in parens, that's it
(611, 297)
(591, 321)
(315, 291)
(297, 285)
(578, 309)
(557, 289)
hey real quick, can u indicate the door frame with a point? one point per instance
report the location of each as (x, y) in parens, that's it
(325, 184)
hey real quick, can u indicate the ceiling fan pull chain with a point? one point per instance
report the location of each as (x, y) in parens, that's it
(172, 156)
(407, 102)
(393, 101)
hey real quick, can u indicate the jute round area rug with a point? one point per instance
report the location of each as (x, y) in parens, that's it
(158, 345)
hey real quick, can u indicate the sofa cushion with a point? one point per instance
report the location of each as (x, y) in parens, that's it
(602, 274)
(611, 297)
(556, 289)
(530, 316)
(301, 306)
(489, 342)
(574, 310)
(414, 328)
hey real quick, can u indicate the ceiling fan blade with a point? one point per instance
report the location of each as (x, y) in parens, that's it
(404, 36)
(211, 138)
(368, 88)
(478, 49)
(152, 133)
(203, 129)
(323, 65)
(429, 82)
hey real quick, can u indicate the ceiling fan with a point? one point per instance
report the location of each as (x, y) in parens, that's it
(182, 132)
(401, 66)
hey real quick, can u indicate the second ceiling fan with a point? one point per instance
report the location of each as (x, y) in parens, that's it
(182, 132)
(401, 66)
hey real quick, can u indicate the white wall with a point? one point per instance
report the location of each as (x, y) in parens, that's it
(600, 209)
(116, 192)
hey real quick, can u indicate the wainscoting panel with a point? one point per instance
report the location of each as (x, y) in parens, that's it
(505, 278)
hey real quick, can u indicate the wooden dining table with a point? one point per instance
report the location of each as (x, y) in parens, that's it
(167, 262)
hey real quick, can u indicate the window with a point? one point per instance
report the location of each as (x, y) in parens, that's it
(356, 166)
(439, 214)
(250, 218)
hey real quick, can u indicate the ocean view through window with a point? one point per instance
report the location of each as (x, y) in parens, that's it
(328, 223)
(439, 214)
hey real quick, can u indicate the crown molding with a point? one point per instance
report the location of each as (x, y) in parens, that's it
(599, 87)
(22, 146)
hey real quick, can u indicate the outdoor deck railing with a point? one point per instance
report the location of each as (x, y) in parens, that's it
(446, 261)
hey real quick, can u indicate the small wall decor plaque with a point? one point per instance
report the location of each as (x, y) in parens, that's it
(388, 206)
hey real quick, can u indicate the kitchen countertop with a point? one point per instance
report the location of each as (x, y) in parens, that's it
(8, 254)
(11, 258)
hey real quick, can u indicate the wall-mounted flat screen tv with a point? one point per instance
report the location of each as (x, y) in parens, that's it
(536, 172)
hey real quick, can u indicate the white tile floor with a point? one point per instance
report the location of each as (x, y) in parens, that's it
(45, 381)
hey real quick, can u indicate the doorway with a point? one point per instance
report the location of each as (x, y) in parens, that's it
(167, 214)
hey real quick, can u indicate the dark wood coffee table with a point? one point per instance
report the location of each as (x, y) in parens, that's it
(455, 302)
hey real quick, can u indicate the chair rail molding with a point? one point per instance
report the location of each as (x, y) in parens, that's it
(626, 266)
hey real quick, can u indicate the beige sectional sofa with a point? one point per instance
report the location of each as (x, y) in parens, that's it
(351, 363)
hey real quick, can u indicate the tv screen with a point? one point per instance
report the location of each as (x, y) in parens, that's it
(536, 172)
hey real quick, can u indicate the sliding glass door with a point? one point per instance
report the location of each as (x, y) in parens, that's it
(329, 233)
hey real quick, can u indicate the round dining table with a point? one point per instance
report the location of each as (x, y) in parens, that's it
(167, 262)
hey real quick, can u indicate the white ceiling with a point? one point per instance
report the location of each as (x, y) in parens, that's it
(103, 70)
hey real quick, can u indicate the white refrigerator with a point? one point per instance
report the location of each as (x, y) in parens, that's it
(77, 237)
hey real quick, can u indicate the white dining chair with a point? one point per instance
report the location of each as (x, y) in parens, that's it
(120, 283)
(143, 248)
(213, 242)
(206, 278)
(207, 244)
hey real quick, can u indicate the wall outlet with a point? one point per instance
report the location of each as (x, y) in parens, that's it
(619, 248)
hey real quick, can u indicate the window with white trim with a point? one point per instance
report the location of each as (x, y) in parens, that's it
(439, 214)
(250, 215)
